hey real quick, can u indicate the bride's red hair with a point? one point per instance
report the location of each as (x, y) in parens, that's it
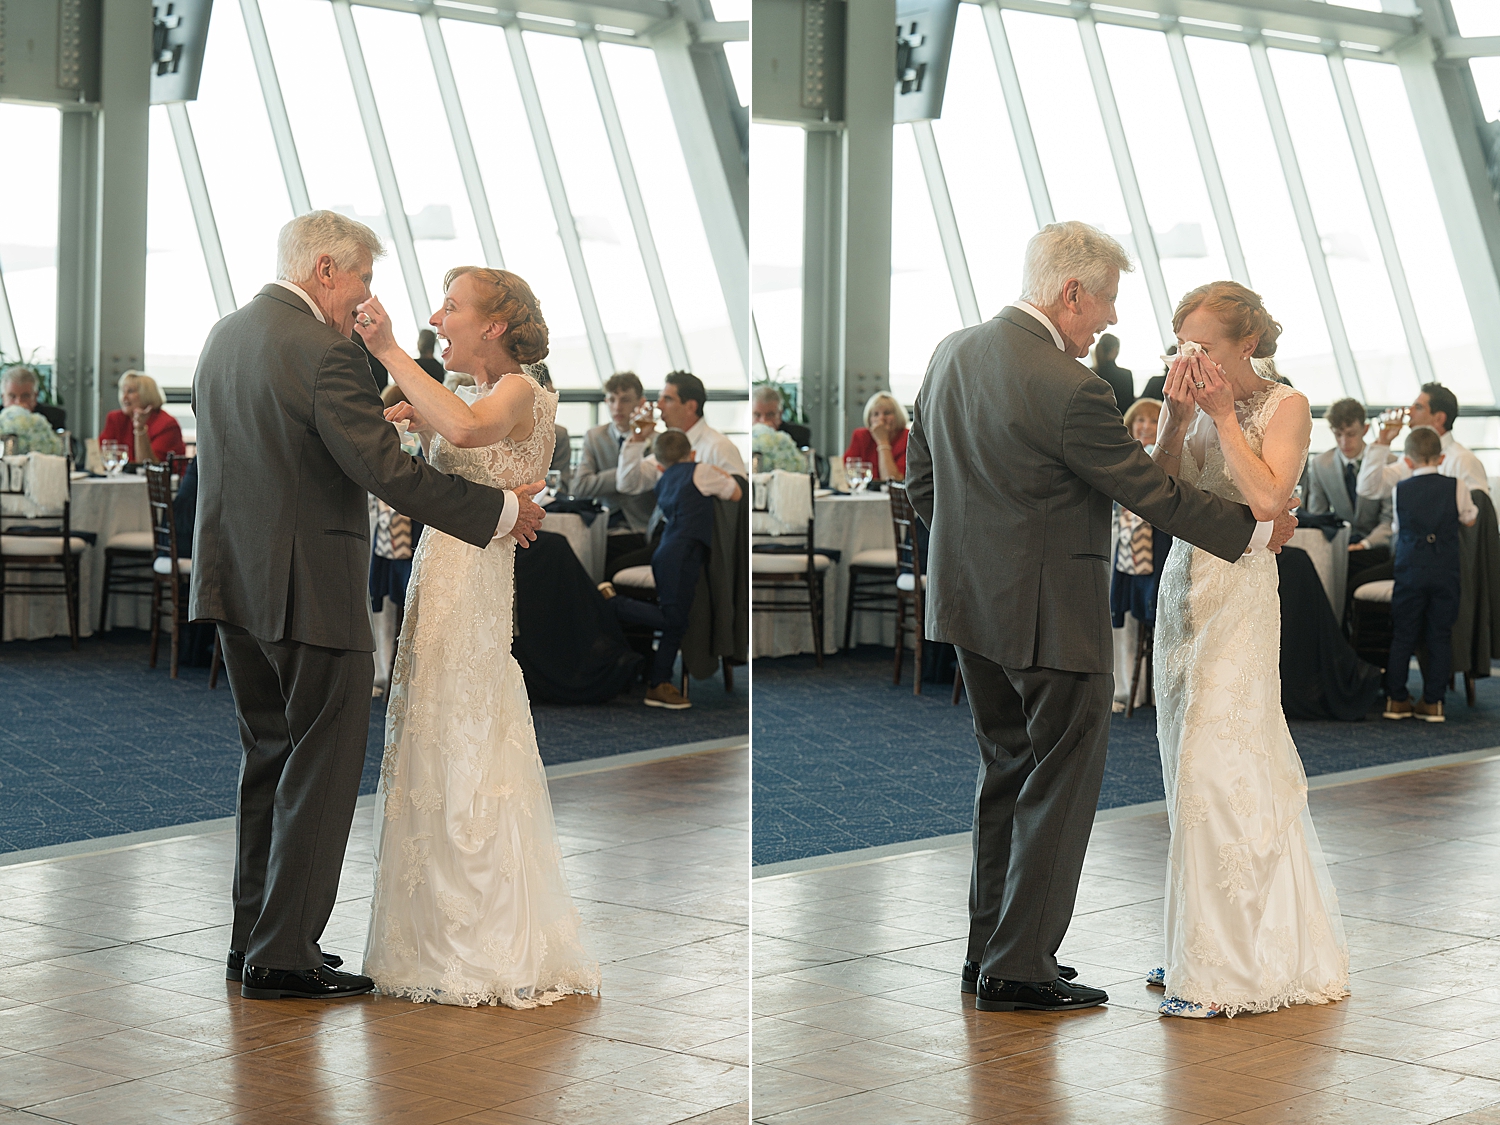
(1238, 309)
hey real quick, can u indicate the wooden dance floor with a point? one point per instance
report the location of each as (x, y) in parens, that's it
(114, 1009)
(859, 1018)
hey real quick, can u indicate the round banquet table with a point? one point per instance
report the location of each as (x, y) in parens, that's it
(105, 506)
(589, 541)
(848, 524)
(1330, 558)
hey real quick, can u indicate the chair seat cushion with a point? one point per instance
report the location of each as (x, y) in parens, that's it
(1376, 591)
(906, 582)
(163, 565)
(636, 577)
(37, 546)
(132, 541)
(876, 557)
(761, 563)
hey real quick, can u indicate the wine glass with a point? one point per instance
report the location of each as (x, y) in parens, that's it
(115, 456)
(859, 473)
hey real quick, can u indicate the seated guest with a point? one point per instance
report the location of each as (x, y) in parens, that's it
(1332, 480)
(882, 439)
(680, 405)
(1140, 554)
(141, 424)
(1120, 380)
(1424, 603)
(629, 515)
(426, 344)
(684, 493)
(765, 408)
(1436, 408)
(19, 386)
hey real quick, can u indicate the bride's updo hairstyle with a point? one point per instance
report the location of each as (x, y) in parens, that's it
(504, 296)
(1238, 309)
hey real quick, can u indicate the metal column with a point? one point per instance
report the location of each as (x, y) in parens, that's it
(947, 222)
(1020, 120)
(281, 124)
(823, 285)
(203, 209)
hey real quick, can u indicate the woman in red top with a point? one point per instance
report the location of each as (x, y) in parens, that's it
(141, 423)
(882, 439)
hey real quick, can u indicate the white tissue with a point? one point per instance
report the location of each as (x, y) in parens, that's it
(1184, 351)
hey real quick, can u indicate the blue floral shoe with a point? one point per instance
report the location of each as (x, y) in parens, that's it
(1176, 1006)
(1157, 978)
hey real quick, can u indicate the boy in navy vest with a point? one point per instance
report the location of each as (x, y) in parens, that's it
(684, 493)
(1424, 601)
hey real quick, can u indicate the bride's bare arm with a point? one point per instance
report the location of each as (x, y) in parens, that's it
(1266, 481)
(505, 413)
(1177, 412)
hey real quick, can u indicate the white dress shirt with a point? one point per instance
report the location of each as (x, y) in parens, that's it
(1377, 479)
(1468, 511)
(637, 472)
(1263, 528)
(512, 509)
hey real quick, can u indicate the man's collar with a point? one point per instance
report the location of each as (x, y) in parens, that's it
(1426, 470)
(297, 289)
(1342, 460)
(1041, 316)
(695, 431)
(1446, 439)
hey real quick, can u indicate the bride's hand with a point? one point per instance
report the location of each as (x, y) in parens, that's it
(1178, 391)
(1210, 389)
(373, 324)
(403, 411)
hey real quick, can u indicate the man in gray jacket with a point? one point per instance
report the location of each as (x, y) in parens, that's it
(1016, 451)
(290, 439)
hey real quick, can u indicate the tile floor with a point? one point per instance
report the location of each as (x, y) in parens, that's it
(114, 1009)
(859, 1018)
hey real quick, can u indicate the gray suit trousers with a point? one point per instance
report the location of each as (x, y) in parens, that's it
(304, 714)
(1042, 737)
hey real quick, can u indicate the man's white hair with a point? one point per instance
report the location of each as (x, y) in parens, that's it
(1061, 252)
(308, 237)
(20, 373)
(767, 393)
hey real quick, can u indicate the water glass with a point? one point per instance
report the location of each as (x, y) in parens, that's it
(115, 455)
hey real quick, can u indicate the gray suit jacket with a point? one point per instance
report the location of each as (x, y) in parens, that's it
(1326, 493)
(290, 438)
(1014, 456)
(595, 476)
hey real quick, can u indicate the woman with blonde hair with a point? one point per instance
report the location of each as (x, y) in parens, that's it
(1252, 920)
(141, 425)
(881, 441)
(471, 901)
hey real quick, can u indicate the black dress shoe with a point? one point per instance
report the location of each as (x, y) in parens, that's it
(235, 968)
(1035, 996)
(321, 983)
(971, 975)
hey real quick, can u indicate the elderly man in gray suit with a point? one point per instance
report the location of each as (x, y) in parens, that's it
(291, 437)
(1016, 451)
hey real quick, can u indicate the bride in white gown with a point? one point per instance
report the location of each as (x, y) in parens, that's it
(471, 901)
(1252, 920)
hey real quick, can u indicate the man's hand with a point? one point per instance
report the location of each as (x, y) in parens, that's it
(1390, 431)
(530, 515)
(1360, 546)
(1286, 524)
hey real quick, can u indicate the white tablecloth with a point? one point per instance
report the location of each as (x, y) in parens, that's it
(849, 524)
(1330, 558)
(105, 506)
(589, 541)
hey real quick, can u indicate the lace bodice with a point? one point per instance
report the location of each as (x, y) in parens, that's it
(1203, 464)
(506, 464)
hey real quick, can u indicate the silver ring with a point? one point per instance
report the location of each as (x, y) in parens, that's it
(1200, 386)
(365, 322)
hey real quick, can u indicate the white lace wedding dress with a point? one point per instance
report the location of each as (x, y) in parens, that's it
(471, 901)
(1252, 920)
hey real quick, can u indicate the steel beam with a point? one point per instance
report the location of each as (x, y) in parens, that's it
(77, 364)
(1384, 232)
(463, 144)
(557, 195)
(203, 208)
(1312, 241)
(10, 342)
(1208, 160)
(1020, 120)
(823, 284)
(947, 222)
(1135, 204)
(270, 91)
(635, 203)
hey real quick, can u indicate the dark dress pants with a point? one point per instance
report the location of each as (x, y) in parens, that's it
(1423, 607)
(1042, 736)
(304, 715)
(675, 567)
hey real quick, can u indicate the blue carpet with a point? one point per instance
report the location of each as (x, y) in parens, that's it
(843, 759)
(94, 743)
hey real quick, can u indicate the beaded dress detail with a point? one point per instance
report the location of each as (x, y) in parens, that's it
(471, 900)
(1252, 920)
